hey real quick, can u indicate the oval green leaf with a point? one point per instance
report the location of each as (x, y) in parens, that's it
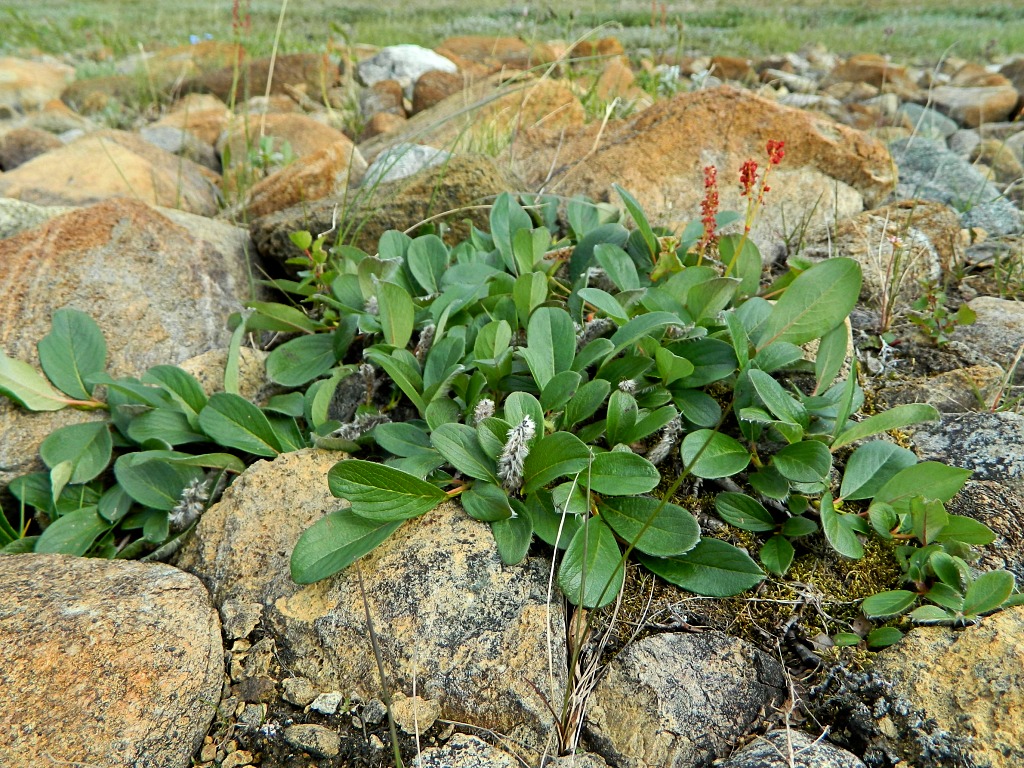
(817, 301)
(744, 512)
(299, 361)
(87, 447)
(712, 568)
(591, 573)
(233, 421)
(72, 534)
(334, 542)
(711, 454)
(379, 492)
(621, 473)
(72, 351)
(661, 530)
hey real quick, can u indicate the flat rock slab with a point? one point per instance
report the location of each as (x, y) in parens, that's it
(989, 444)
(680, 700)
(105, 662)
(790, 749)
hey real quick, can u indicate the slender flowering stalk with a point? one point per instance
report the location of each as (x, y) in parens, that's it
(513, 455)
(754, 188)
(708, 212)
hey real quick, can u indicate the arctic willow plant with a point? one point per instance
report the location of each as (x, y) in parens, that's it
(548, 383)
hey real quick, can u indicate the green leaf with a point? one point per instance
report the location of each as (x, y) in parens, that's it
(640, 219)
(181, 386)
(459, 445)
(845, 639)
(929, 478)
(988, 592)
(638, 328)
(235, 422)
(930, 614)
(831, 355)
(655, 528)
(883, 637)
(796, 527)
(928, 518)
(871, 466)
(72, 351)
(895, 418)
(712, 568)
(837, 530)
(300, 360)
(883, 519)
(805, 462)
(163, 427)
(556, 455)
(559, 390)
(591, 572)
(744, 512)
(622, 412)
(519, 405)
(408, 379)
(225, 461)
(966, 531)
(618, 265)
(512, 536)
(818, 300)
(671, 367)
(604, 302)
(887, 604)
(712, 455)
(508, 217)
(334, 542)
(486, 502)
(549, 523)
(24, 385)
(550, 344)
(780, 402)
(621, 473)
(382, 493)
(397, 313)
(529, 291)
(87, 447)
(114, 504)
(587, 400)
(153, 481)
(777, 555)
(946, 568)
(427, 258)
(271, 316)
(401, 438)
(73, 534)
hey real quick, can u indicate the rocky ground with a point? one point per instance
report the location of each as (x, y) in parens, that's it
(157, 214)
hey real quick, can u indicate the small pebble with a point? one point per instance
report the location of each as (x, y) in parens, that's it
(237, 758)
(374, 711)
(298, 691)
(315, 739)
(208, 753)
(327, 703)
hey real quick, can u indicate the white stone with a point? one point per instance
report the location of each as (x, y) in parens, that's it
(404, 63)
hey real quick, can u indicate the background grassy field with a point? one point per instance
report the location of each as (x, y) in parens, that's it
(906, 29)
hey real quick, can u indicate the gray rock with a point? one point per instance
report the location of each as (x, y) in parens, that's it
(315, 739)
(995, 336)
(473, 631)
(105, 662)
(298, 691)
(964, 142)
(1002, 510)
(404, 63)
(178, 141)
(401, 161)
(680, 699)
(929, 171)
(790, 749)
(578, 760)
(989, 444)
(327, 703)
(463, 751)
(373, 711)
(929, 123)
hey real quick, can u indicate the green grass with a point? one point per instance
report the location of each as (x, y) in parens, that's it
(906, 29)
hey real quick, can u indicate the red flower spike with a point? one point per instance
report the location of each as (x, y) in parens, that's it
(776, 151)
(748, 177)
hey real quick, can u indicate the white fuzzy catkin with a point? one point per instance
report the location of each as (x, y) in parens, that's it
(669, 435)
(513, 455)
(190, 506)
(484, 410)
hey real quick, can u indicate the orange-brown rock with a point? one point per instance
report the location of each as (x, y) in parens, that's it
(105, 662)
(311, 73)
(435, 86)
(974, 75)
(731, 68)
(112, 164)
(487, 113)
(659, 156)
(328, 171)
(497, 52)
(201, 114)
(380, 124)
(617, 80)
(26, 85)
(20, 145)
(302, 133)
(383, 96)
(975, 106)
(877, 71)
